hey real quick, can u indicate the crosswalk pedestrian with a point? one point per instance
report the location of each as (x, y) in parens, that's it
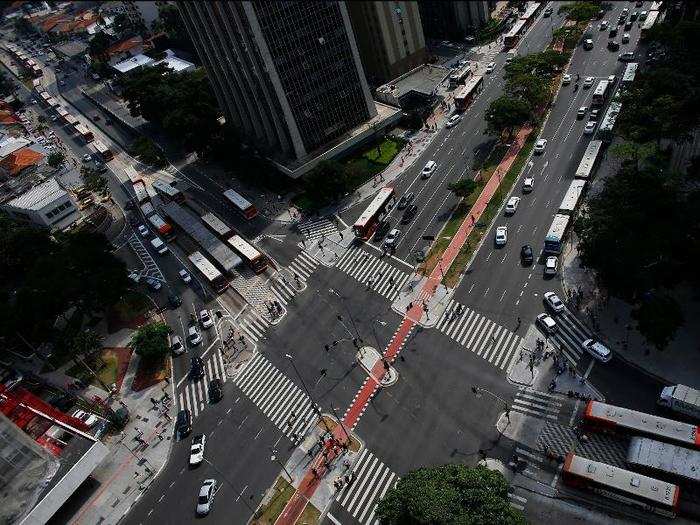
(314, 229)
(478, 334)
(286, 284)
(537, 404)
(377, 274)
(285, 404)
(252, 324)
(570, 335)
(193, 395)
(372, 479)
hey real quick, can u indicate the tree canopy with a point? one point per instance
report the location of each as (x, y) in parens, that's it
(505, 114)
(580, 11)
(7, 86)
(463, 187)
(151, 341)
(326, 182)
(449, 494)
(55, 159)
(98, 45)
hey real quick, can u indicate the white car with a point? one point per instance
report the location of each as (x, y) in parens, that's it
(490, 67)
(392, 238)
(528, 184)
(193, 336)
(454, 120)
(594, 114)
(627, 56)
(597, 349)
(540, 145)
(603, 25)
(590, 127)
(547, 323)
(588, 82)
(566, 79)
(581, 112)
(206, 497)
(512, 205)
(86, 417)
(552, 300)
(87, 157)
(143, 230)
(197, 449)
(501, 235)
(176, 346)
(184, 275)
(551, 265)
(205, 319)
(428, 169)
(626, 38)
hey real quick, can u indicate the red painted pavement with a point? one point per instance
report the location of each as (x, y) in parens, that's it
(307, 487)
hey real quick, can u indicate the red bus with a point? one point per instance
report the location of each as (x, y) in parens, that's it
(367, 222)
(465, 96)
(241, 204)
(253, 258)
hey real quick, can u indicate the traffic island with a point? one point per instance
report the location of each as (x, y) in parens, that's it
(236, 348)
(368, 357)
(433, 305)
(274, 502)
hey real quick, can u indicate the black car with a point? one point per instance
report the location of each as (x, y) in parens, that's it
(183, 426)
(526, 254)
(405, 200)
(613, 46)
(216, 390)
(409, 214)
(628, 26)
(174, 299)
(613, 32)
(196, 368)
(382, 229)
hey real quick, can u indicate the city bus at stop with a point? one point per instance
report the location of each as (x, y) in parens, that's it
(367, 223)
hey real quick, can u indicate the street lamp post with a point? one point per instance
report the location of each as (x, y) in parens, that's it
(477, 391)
(240, 494)
(274, 458)
(342, 300)
(308, 393)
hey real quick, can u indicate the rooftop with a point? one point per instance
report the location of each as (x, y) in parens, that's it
(125, 45)
(23, 158)
(39, 196)
(12, 144)
(171, 61)
(423, 79)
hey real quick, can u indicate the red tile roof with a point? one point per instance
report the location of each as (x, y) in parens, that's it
(125, 45)
(19, 160)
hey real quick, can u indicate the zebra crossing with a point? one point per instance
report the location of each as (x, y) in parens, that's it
(480, 335)
(252, 324)
(151, 269)
(570, 335)
(561, 439)
(372, 480)
(536, 404)
(301, 267)
(314, 229)
(194, 395)
(285, 404)
(375, 273)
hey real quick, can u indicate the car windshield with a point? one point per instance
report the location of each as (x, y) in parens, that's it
(203, 500)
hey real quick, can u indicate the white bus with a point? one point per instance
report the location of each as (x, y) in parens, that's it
(207, 270)
(140, 192)
(572, 198)
(241, 204)
(102, 150)
(600, 93)
(168, 191)
(629, 74)
(252, 257)
(554, 241)
(590, 160)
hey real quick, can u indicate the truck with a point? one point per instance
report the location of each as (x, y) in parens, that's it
(681, 399)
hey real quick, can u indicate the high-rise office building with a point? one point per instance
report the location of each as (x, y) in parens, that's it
(286, 73)
(453, 20)
(389, 36)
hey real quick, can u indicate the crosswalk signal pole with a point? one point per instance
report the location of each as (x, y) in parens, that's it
(478, 391)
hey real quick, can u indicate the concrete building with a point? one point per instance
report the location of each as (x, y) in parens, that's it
(47, 205)
(389, 36)
(287, 75)
(139, 13)
(453, 20)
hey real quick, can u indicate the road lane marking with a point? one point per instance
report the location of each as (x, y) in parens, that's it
(502, 295)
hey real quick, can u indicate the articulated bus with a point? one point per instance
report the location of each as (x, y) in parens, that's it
(168, 191)
(573, 197)
(511, 39)
(466, 95)
(629, 74)
(664, 459)
(241, 204)
(252, 257)
(102, 150)
(217, 225)
(554, 240)
(207, 270)
(367, 222)
(622, 485)
(600, 93)
(84, 132)
(590, 160)
(71, 121)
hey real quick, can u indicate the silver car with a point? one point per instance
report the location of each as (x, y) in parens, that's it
(597, 349)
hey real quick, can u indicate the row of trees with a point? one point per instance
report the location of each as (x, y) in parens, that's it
(641, 233)
(527, 90)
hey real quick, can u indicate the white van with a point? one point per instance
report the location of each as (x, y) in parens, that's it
(429, 169)
(159, 246)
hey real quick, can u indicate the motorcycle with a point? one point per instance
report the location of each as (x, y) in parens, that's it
(575, 87)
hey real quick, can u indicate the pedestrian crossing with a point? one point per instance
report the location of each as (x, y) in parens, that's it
(371, 481)
(303, 265)
(314, 229)
(561, 439)
(252, 324)
(195, 394)
(151, 269)
(285, 285)
(490, 341)
(377, 274)
(285, 404)
(570, 335)
(536, 404)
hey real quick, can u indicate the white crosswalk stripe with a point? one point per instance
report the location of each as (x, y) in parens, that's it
(193, 395)
(253, 325)
(303, 265)
(490, 341)
(570, 335)
(285, 404)
(517, 502)
(372, 479)
(537, 404)
(377, 274)
(283, 285)
(314, 229)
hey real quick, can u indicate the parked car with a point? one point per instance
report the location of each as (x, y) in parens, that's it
(193, 336)
(183, 424)
(594, 114)
(501, 235)
(206, 497)
(405, 200)
(548, 325)
(627, 56)
(409, 214)
(454, 120)
(566, 79)
(205, 319)
(197, 449)
(216, 390)
(581, 112)
(88, 418)
(526, 255)
(590, 127)
(490, 67)
(176, 346)
(87, 157)
(153, 283)
(512, 205)
(553, 302)
(551, 266)
(597, 349)
(626, 38)
(174, 299)
(185, 276)
(196, 368)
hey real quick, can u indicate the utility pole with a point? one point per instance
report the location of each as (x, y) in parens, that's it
(308, 393)
(274, 458)
(478, 391)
